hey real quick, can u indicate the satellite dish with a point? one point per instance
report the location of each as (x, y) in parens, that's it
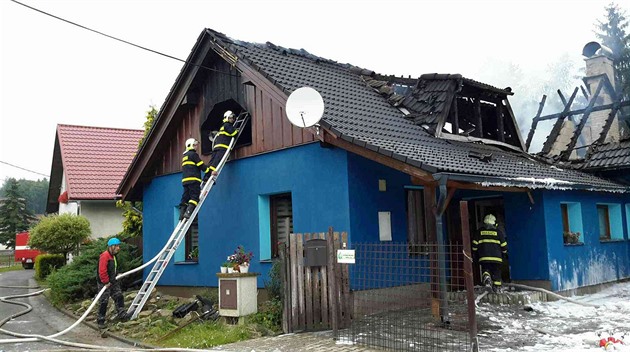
(305, 107)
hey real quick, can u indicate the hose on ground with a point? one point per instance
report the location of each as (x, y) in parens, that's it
(586, 304)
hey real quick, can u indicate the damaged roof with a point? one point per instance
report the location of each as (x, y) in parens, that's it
(614, 155)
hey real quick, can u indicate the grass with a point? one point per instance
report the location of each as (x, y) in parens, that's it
(15, 267)
(200, 335)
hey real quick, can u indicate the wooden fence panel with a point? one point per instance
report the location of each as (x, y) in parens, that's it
(316, 297)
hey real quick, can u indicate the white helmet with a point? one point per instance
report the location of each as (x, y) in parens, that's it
(490, 220)
(227, 115)
(191, 143)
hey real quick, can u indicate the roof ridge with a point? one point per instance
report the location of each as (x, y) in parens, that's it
(100, 127)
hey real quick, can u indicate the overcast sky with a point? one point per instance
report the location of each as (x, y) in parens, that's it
(57, 73)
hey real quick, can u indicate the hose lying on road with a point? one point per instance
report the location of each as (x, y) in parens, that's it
(586, 304)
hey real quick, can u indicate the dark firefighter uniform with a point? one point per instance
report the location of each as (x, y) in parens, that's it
(489, 247)
(192, 166)
(221, 144)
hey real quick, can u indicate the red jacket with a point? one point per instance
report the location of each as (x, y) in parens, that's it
(107, 268)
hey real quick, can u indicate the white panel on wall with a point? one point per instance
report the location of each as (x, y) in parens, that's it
(384, 225)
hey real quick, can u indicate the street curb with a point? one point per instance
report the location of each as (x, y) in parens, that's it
(107, 333)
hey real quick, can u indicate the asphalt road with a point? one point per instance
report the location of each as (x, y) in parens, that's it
(44, 319)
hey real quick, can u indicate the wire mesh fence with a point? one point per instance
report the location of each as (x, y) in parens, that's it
(409, 298)
(7, 258)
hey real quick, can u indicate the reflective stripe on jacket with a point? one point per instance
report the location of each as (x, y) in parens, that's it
(489, 244)
(192, 166)
(224, 137)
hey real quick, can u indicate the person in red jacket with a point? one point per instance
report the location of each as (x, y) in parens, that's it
(106, 277)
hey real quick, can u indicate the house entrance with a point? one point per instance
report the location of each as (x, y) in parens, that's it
(478, 210)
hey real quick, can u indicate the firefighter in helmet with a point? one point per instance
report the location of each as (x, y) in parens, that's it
(221, 143)
(192, 165)
(489, 248)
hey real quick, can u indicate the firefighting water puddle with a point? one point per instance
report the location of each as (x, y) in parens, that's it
(558, 326)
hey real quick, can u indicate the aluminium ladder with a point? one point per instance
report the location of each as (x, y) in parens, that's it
(165, 255)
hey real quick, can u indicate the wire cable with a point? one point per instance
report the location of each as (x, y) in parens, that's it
(120, 40)
(19, 167)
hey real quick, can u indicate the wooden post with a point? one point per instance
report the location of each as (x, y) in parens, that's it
(333, 294)
(286, 273)
(478, 117)
(308, 291)
(468, 275)
(294, 282)
(500, 120)
(455, 117)
(299, 258)
(530, 136)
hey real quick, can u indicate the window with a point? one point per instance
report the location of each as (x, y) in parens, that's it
(416, 224)
(571, 223)
(188, 250)
(609, 218)
(281, 220)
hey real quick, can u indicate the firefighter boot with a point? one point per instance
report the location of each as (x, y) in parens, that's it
(182, 210)
(487, 280)
(189, 211)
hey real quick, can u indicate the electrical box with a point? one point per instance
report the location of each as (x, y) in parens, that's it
(315, 252)
(238, 294)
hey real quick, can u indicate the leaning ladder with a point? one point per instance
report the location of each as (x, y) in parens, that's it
(165, 255)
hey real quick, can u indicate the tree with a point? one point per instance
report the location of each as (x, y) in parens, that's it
(150, 119)
(60, 234)
(34, 192)
(14, 216)
(612, 33)
(132, 211)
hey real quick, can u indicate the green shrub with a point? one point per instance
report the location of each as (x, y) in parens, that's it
(47, 263)
(59, 234)
(77, 280)
(269, 315)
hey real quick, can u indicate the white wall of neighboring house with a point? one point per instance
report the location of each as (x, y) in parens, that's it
(105, 219)
(71, 207)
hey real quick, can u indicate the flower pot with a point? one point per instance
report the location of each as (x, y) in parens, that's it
(244, 268)
(230, 270)
(224, 269)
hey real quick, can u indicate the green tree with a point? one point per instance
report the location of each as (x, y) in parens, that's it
(150, 119)
(132, 211)
(612, 32)
(60, 234)
(34, 192)
(14, 216)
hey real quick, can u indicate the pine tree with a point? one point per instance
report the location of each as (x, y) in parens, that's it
(14, 216)
(612, 33)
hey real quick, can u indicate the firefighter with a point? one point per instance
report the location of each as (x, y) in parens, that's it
(489, 247)
(192, 165)
(106, 277)
(221, 143)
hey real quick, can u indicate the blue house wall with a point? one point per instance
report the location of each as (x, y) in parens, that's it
(594, 261)
(316, 177)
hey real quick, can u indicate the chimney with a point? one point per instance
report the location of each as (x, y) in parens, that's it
(599, 64)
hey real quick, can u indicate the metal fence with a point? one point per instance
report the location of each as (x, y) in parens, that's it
(7, 258)
(410, 298)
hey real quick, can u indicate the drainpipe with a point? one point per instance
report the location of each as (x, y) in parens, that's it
(439, 212)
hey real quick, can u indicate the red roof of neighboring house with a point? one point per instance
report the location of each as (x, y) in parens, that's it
(95, 159)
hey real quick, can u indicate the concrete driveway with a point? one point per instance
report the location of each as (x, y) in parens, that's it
(44, 319)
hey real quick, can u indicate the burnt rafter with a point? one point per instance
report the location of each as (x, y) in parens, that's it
(532, 130)
(557, 127)
(565, 154)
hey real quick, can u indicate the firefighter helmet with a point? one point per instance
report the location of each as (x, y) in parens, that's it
(227, 115)
(490, 220)
(113, 242)
(191, 143)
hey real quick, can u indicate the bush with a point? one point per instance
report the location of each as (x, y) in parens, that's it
(77, 280)
(47, 263)
(59, 234)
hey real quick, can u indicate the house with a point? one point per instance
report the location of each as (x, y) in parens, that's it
(388, 162)
(88, 164)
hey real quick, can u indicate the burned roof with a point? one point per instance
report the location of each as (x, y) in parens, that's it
(369, 114)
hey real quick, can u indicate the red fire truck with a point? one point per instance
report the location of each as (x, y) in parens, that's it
(24, 253)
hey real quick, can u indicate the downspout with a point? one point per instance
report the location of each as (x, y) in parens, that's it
(439, 212)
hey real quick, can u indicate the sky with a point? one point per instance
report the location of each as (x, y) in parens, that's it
(54, 73)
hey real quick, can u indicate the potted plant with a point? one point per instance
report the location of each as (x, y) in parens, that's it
(194, 254)
(224, 267)
(571, 237)
(240, 259)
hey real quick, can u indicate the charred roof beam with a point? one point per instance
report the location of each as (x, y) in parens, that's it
(555, 131)
(565, 154)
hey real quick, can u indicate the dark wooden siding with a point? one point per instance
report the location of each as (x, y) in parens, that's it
(271, 130)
